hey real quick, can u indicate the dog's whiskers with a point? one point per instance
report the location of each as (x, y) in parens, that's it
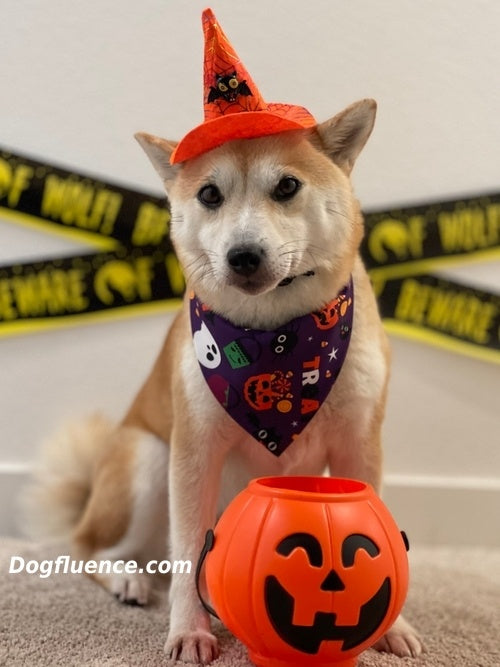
(315, 252)
(332, 210)
(196, 268)
(201, 267)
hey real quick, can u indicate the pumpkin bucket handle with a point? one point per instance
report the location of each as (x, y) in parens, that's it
(208, 546)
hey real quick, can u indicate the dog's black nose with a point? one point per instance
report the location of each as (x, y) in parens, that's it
(244, 260)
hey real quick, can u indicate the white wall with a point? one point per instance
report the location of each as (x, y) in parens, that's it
(78, 79)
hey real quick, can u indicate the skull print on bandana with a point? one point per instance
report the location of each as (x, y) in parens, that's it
(272, 383)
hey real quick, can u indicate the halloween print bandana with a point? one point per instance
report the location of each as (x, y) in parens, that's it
(273, 382)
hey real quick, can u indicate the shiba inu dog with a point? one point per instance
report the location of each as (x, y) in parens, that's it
(267, 230)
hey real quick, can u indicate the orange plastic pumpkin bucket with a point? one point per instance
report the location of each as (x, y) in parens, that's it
(306, 570)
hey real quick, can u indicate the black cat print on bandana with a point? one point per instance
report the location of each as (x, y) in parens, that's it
(273, 382)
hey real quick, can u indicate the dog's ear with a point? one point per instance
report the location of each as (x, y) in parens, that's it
(344, 135)
(159, 152)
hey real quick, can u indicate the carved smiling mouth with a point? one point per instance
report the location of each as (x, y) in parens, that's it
(308, 638)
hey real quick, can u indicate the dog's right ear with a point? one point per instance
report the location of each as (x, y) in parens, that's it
(344, 136)
(159, 151)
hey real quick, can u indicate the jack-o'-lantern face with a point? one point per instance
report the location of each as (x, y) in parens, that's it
(328, 317)
(264, 390)
(281, 605)
(259, 391)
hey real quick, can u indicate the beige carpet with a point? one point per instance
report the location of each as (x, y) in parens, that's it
(67, 620)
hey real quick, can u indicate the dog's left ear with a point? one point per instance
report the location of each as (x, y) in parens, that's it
(344, 135)
(159, 152)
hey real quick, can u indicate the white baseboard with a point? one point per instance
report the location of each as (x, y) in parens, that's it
(436, 511)
(13, 477)
(446, 511)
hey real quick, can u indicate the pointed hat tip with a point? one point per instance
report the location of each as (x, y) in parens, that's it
(208, 16)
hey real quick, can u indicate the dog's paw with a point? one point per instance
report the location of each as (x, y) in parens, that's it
(132, 589)
(198, 646)
(402, 640)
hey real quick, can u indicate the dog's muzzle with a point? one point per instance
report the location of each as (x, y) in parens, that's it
(246, 261)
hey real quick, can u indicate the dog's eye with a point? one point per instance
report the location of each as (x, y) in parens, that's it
(210, 196)
(286, 188)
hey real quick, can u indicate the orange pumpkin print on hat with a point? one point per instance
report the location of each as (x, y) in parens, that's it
(233, 105)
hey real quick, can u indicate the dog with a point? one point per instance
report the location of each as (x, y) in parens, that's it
(267, 230)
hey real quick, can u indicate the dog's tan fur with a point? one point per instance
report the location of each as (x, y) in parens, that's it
(176, 423)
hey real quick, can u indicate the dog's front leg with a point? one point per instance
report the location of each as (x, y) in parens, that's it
(194, 480)
(360, 457)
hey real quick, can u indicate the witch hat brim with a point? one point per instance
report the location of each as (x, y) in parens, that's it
(244, 125)
(233, 105)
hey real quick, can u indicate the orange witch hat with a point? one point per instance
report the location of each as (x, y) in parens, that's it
(233, 105)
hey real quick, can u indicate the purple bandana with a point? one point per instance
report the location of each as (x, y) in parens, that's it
(273, 382)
